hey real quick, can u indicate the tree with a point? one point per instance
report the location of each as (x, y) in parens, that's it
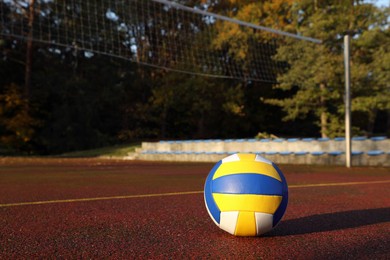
(29, 48)
(315, 73)
(371, 71)
(314, 77)
(197, 107)
(17, 127)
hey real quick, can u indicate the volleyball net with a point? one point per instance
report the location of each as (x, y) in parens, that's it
(157, 33)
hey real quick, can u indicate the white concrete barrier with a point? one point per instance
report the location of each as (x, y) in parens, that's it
(366, 151)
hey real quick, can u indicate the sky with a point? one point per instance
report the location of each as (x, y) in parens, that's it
(381, 2)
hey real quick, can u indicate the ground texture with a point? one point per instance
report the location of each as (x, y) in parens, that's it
(92, 208)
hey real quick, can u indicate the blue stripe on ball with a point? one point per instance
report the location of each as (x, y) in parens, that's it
(283, 205)
(247, 183)
(208, 196)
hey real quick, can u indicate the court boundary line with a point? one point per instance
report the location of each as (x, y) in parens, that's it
(175, 194)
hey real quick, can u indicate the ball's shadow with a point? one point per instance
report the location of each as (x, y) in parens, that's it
(331, 222)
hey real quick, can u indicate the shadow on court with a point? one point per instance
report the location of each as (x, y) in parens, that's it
(332, 222)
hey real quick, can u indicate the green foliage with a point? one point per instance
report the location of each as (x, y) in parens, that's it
(17, 126)
(371, 70)
(316, 72)
(82, 102)
(195, 107)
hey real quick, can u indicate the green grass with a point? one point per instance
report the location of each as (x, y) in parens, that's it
(110, 151)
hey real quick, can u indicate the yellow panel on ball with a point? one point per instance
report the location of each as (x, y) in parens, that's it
(247, 202)
(246, 224)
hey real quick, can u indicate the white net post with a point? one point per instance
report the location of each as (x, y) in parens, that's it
(348, 143)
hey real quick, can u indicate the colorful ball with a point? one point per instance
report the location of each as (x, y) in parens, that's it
(246, 194)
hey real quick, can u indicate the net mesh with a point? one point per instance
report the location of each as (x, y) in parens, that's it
(161, 34)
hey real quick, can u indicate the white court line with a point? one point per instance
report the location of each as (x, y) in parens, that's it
(176, 193)
(337, 184)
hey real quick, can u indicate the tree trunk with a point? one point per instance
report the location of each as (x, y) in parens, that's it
(324, 116)
(164, 116)
(200, 131)
(388, 123)
(371, 121)
(29, 50)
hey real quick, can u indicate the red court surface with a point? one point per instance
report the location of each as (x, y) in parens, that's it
(90, 208)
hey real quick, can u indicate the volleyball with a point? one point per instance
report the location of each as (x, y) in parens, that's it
(246, 194)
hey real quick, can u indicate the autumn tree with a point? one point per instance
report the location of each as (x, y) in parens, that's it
(315, 73)
(314, 77)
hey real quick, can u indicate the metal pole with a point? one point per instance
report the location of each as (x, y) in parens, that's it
(224, 18)
(347, 101)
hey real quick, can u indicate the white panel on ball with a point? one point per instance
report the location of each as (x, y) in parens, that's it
(262, 159)
(231, 158)
(264, 222)
(229, 221)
